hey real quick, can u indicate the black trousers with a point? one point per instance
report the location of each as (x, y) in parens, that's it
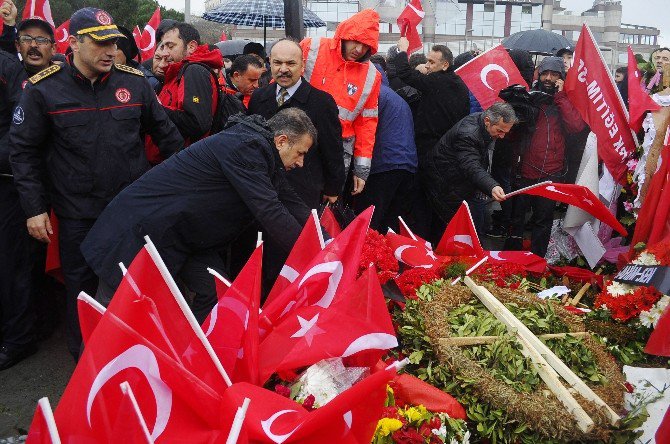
(193, 279)
(21, 270)
(77, 274)
(543, 216)
(390, 193)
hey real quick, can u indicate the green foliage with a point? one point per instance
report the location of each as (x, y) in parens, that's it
(125, 12)
(487, 423)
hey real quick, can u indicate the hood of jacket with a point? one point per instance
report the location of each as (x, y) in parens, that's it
(209, 57)
(255, 122)
(362, 27)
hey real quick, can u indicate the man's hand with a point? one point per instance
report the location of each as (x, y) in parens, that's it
(39, 227)
(8, 12)
(559, 85)
(359, 184)
(422, 68)
(330, 199)
(498, 194)
(403, 44)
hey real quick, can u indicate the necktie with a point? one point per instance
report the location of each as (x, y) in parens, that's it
(283, 95)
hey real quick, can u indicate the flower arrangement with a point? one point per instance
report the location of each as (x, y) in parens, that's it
(417, 425)
(626, 303)
(377, 252)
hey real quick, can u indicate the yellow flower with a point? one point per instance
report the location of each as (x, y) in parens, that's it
(386, 426)
(413, 414)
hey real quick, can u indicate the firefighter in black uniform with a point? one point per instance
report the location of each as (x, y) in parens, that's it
(22, 258)
(76, 141)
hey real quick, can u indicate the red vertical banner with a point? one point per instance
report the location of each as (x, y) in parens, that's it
(590, 88)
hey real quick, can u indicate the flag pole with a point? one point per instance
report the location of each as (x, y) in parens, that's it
(179, 297)
(524, 189)
(318, 228)
(127, 390)
(236, 428)
(45, 406)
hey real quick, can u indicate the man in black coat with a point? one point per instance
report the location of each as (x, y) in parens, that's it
(444, 101)
(458, 168)
(199, 200)
(322, 177)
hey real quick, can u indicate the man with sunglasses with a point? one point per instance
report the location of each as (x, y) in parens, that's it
(77, 140)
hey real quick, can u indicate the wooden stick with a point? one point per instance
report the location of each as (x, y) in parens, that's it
(460, 341)
(582, 291)
(559, 366)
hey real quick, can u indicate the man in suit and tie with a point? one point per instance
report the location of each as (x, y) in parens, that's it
(322, 177)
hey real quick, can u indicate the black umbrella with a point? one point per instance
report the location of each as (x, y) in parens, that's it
(232, 48)
(537, 41)
(258, 13)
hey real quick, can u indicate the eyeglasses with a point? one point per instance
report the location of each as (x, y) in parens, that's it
(28, 39)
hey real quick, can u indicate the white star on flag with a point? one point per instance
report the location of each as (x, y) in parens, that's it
(308, 329)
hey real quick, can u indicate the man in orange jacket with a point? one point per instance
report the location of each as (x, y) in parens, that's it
(340, 67)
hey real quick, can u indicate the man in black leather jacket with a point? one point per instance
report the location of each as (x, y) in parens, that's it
(458, 167)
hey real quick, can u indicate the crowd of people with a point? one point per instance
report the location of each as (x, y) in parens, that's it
(200, 152)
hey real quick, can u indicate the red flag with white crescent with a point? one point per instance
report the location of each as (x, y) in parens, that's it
(232, 326)
(349, 418)
(577, 195)
(488, 73)
(90, 312)
(639, 101)
(148, 42)
(137, 36)
(43, 428)
(157, 310)
(38, 9)
(130, 426)
(309, 244)
(411, 252)
(176, 404)
(407, 21)
(62, 35)
(591, 90)
(330, 223)
(328, 274)
(460, 237)
(309, 334)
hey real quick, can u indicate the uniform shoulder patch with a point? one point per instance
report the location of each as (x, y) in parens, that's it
(129, 69)
(46, 72)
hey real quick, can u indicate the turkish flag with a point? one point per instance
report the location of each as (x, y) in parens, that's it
(411, 252)
(311, 333)
(662, 435)
(223, 37)
(590, 88)
(639, 101)
(579, 274)
(62, 35)
(407, 21)
(137, 36)
(148, 42)
(659, 340)
(351, 417)
(232, 326)
(530, 261)
(330, 272)
(43, 428)
(330, 223)
(488, 73)
(653, 220)
(176, 405)
(52, 265)
(90, 312)
(577, 195)
(38, 9)
(410, 390)
(129, 426)
(309, 244)
(460, 237)
(165, 319)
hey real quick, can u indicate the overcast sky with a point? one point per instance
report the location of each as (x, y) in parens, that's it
(646, 12)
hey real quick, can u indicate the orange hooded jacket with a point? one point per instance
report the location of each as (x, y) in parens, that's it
(353, 85)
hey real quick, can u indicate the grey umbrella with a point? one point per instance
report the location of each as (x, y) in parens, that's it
(537, 41)
(258, 13)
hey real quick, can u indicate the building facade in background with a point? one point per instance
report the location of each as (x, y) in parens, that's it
(481, 24)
